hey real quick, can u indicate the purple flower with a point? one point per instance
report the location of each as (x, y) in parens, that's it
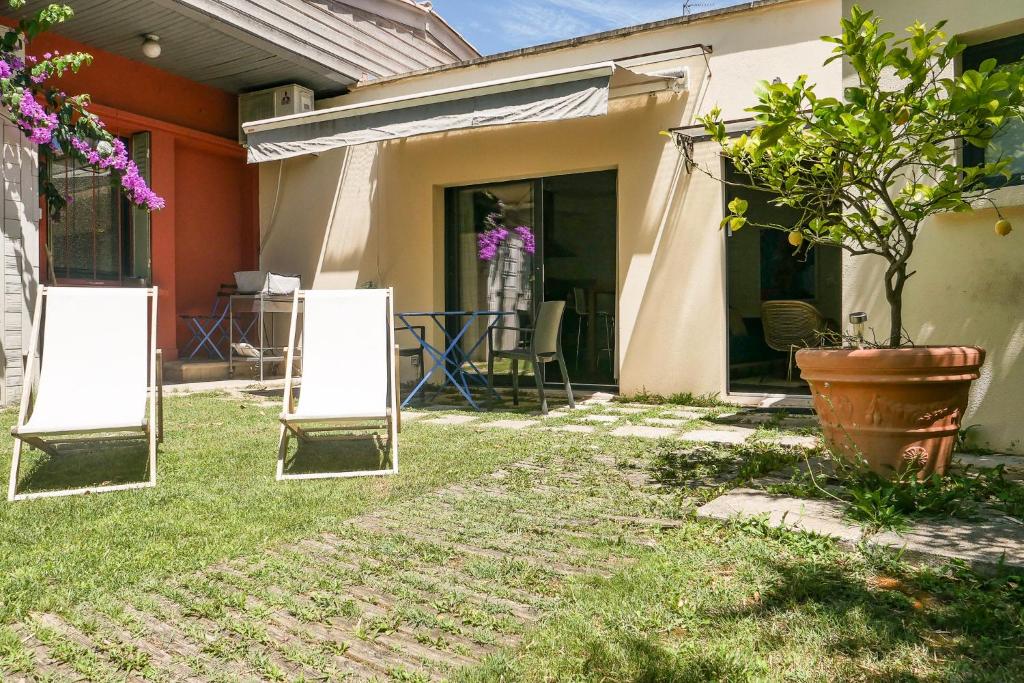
(526, 235)
(114, 155)
(490, 239)
(5, 69)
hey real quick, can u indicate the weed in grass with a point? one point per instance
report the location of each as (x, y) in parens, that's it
(882, 503)
(713, 466)
(709, 400)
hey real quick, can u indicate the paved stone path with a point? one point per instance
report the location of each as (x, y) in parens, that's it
(411, 592)
(986, 542)
(720, 427)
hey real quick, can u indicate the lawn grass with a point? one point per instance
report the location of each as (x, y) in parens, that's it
(745, 602)
(215, 498)
(706, 601)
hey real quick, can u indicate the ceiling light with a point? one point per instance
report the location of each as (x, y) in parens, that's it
(151, 46)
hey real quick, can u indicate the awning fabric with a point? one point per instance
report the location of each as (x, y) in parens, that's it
(553, 96)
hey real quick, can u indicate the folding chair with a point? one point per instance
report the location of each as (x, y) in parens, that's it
(210, 331)
(348, 371)
(97, 369)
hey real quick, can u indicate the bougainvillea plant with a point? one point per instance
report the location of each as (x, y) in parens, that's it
(867, 171)
(61, 124)
(495, 232)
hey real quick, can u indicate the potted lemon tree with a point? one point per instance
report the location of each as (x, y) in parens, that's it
(866, 173)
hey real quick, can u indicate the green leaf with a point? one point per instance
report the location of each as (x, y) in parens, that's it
(738, 206)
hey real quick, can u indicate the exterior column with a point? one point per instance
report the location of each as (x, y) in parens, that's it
(19, 271)
(162, 241)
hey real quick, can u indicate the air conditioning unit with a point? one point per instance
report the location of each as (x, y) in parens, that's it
(271, 103)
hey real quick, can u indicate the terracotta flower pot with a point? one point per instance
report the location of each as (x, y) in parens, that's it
(897, 409)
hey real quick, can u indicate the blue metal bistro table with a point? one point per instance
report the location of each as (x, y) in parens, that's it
(455, 358)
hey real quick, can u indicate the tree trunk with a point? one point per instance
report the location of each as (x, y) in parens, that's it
(895, 279)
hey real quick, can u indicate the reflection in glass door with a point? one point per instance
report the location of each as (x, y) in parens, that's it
(491, 238)
(510, 246)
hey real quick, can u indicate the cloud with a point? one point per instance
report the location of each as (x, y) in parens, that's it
(538, 22)
(497, 25)
(617, 13)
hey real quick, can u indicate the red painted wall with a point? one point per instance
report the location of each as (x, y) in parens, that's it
(208, 248)
(209, 228)
(143, 88)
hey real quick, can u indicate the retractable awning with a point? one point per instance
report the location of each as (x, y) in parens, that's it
(572, 93)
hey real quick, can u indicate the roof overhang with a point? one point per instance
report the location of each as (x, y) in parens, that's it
(571, 93)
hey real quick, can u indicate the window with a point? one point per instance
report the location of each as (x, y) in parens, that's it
(99, 236)
(1010, 141)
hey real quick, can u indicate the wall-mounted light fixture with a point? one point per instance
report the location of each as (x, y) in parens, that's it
(151, 45)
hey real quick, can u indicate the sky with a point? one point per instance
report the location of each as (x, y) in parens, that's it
(499, 25)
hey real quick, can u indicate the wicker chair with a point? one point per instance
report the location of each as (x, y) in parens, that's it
(792, 325)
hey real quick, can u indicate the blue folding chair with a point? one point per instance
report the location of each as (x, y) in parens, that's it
(209, 331)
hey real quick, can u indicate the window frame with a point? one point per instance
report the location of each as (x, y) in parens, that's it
(126, 219)
(1003, 50)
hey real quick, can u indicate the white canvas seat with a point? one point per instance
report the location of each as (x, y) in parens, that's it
(97, 371)
(348, 371)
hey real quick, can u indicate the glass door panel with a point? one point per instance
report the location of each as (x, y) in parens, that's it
(492, 264)
(512, 245)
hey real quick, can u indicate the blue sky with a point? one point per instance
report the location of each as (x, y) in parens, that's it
(500, 25)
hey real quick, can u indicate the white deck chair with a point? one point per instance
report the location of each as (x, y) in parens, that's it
(348, 371)
(98, 368)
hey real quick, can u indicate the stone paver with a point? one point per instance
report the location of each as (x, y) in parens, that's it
(797, 441)
(576, 429)
(626, 410)
(983, 543)
(989, 461)
(823, 517)
(719, 436)
(605, 419)
(688, 414)
(643, 432)
(451, 420)
(508, 424)
(665, 421)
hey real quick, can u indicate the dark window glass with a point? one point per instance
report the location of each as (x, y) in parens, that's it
(1009, 143)
(92, 238)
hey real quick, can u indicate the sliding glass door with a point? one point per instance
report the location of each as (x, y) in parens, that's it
(510, 246)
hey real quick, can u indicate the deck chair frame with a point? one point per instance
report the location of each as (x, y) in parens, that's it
(153, 430)
(303, 433)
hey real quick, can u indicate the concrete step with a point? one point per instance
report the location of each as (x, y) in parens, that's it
(185, 371)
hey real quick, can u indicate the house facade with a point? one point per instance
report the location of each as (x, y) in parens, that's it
(179, 113)
(470, 182)
(402, 181)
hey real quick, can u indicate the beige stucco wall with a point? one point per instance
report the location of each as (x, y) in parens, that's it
(375, 212)
(969, 287)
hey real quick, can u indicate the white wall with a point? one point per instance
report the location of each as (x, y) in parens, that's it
(20, 267)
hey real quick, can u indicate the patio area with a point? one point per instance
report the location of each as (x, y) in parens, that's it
(571, 551)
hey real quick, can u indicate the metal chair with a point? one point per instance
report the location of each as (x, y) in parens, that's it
(208, 331)
(538, 345)
(584, 315)
(791, 325)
